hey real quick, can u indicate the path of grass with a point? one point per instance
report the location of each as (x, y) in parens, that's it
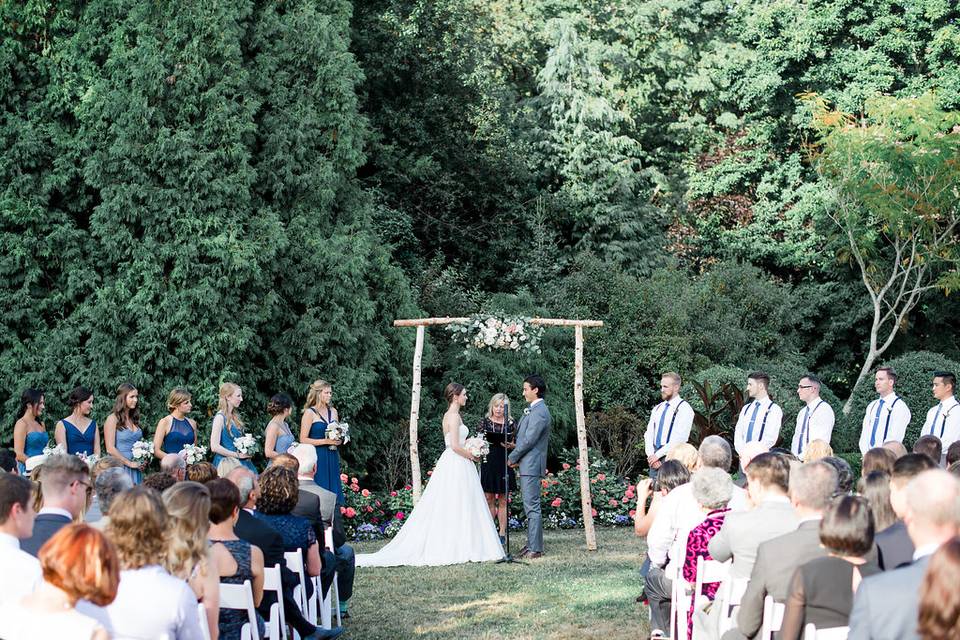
(569, 593)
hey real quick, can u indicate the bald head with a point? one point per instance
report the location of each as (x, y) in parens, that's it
(933, 507)
(174, 465)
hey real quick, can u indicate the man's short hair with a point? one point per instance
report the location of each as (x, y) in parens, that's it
(814, 380)
(287, 460)
(14, 489)
(890, 373)
(306, 455)
(715, 452)
(929, 445)
(897, 447)
(109, 484)
(672, 375)
(933, 498)
(953, 453)
(760, 376)
(536, 382)
(243, 478)
(948, 377)
(813, 484)
(8, 460)
(909, 467)
(172, 463)
(769, 470)
(60, 471)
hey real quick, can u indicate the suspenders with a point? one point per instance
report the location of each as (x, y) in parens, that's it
(674, 419)
(766, 413)
(886, 426)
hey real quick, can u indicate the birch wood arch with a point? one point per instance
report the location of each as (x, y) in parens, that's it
(586, 500)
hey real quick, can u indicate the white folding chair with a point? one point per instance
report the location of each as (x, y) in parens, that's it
(308, 606)
(810, 632)
(240, 597)
(332, 598)
(708, 571)
(277, 624)
(204, 624)
(679, 599)
(729, 596)
(772, 618)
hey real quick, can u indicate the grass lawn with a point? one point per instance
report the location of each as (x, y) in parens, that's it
(569, 593)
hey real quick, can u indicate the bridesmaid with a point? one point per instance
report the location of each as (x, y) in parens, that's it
(122, 428)
(227, 425)
(29, 434)
(175, 430)
(278, 437)
(317, 414)
(77, 433)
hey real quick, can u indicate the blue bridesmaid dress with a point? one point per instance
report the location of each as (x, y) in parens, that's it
(33, 445)
(80, 441)
(284, 439)
(328, 460)
(124, 444)
(180, 434)
(227, 434)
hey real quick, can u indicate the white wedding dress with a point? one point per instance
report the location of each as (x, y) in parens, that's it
(451, 524)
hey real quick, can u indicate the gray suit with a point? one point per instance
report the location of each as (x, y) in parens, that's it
(887, 605)
(533, 436)
(777, 560)
(743, 531)
(896, 547)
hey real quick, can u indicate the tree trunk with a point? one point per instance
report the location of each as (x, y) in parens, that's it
(415, 416)
(585, 500)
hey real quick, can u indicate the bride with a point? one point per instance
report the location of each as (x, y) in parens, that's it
(451, 523)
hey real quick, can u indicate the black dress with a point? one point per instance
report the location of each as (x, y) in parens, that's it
(491, 471)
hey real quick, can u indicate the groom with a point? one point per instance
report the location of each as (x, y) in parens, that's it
(530, 455)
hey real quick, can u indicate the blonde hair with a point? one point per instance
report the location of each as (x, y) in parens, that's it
(498, 398)
(227, 389)
(313, 393)
(686, 454)
(188, 505)
(138, 527)
(816, 450)
(178, 396)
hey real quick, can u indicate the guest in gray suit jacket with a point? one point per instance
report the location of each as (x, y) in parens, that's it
(811, 487)
(772, 515)
(65, 481)
(530, 456)
(896, 548)
(886, 606)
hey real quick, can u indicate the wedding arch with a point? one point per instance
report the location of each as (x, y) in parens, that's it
(586, 500)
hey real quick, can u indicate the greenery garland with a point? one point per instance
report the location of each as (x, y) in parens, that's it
(498, 331)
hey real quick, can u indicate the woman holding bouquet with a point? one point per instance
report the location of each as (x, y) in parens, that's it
(175, 430)
(497, 428)
(318, 417)
(122, 428)
(278, 437)
(228, 426)
(29, 434)
(77, 433)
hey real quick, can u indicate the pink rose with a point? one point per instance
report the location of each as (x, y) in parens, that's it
(393, 493)
(343, 510)
(633, 512)
(399, 515)
(593, 512)
(556, 502)
(601, 477)
(343, 477)
(355, 488)
(365, 493)
(614, 503)
(566, 466)
(543, 483)
(350, 512)
(369, 509)
(407, 487)
(429, 473)
(578, 467)
(354, 481)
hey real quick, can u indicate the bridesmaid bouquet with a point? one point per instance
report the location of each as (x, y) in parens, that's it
(91, 459)
(477, 446)
(338, 431)
(54, 449)
(245, 444)
(142, 451)
(193, 453)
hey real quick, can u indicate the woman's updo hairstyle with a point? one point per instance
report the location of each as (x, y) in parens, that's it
(78, 396)
(452, 391)
(278, 404)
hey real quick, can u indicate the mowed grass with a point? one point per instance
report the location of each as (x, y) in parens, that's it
(569, 593)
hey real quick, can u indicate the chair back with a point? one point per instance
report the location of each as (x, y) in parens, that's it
(328, 539)
(729, 596)
(835, 633)
(678, 594)
(240, 597)
(772, 617)
(277, 624)
(294, 560)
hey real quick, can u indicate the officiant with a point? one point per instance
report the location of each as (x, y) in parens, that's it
(497, 428)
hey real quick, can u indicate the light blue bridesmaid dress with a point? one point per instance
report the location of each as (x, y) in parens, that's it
(124, 444)
(227, 434)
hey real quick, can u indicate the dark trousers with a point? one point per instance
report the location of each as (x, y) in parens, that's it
(658, 588)
(346, 568)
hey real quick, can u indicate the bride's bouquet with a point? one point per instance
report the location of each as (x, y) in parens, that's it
(142, 451)
(338, 431)
(246, 444)
(193, 453)
(477, 446)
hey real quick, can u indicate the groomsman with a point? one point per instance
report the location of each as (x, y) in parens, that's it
(887, 417)
(759, 420)
(670, 422)
(815, 421)
(943, 419)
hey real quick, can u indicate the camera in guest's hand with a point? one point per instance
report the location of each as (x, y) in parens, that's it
(655, 485)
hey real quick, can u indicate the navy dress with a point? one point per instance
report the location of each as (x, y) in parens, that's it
(231, 621)
(227, 435)
(124, 444)
(327, 474)
(180, 434)
(80, 441)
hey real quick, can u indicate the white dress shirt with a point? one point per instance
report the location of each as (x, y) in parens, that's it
(890, 415)
(671, 420)
(943, 421)
(766, 417)
(814, 422)
(20, 570)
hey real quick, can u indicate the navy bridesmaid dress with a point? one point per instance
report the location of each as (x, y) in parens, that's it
(33, 445)
(180, 434)
(328, 460)
(80, 441)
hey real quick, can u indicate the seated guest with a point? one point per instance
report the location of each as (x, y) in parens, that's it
(812, 487)
(939, 597)
(187, 555)
(671, 475)
(954, 468)
(875, 488)
(887, 605)
(8, 462)
(816, 450)
(686, 454)
(712, 489)
(20, 570)
(175, 465)
(953, 453)
(749, 451)
(137, 528)
(109, 484)
(931, 446)
(877, 459)
(226, 465)
(896, 447)
(65, 483)
(330, 517)
(93, 513)
(77, 563)
(159, 482)
(821, 591)
(202, 472)
(236, 560)
(893, 543)
(844, 473)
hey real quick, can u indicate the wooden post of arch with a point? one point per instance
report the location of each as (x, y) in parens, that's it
(586, 501)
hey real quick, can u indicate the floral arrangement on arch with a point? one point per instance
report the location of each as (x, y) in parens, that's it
(484, 331)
